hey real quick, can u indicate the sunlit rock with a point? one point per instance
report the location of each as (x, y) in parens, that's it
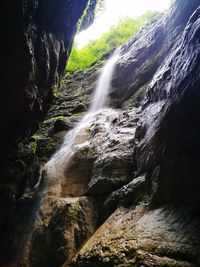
(138, 237)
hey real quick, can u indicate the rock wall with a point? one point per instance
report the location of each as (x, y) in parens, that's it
(129, 194)
(169, 120)
(143, 54)
(36, 42)
(153, 220)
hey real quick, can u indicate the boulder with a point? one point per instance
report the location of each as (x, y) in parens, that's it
(126, 196)
(63, 226)
(96, 157)
(138, 237)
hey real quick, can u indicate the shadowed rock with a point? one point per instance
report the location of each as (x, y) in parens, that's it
(36, 42)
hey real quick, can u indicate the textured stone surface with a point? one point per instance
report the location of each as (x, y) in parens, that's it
(54, 239)
(36, 42)
(137, 237)
(100, 158)
(63, 225)
(143, 54)
(168, 130)
(126, 196)
(163, 230)
(140, 166)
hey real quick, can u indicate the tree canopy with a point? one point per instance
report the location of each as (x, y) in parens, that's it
(83, 58)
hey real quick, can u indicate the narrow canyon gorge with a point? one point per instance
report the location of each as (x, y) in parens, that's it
(99, 167)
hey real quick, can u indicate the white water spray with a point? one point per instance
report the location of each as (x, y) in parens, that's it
(74, 138)
(104, 84)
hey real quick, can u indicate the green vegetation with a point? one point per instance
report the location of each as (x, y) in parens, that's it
(33, 147)
(37, 137)
(55, 90)
(56, 118)
(86, 13)
(79, 113)
(81, 59)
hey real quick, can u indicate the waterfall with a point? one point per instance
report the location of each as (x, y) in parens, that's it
(56, 166)
(104, 84)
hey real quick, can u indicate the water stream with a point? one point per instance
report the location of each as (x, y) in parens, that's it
(56, 166)
(104, 83)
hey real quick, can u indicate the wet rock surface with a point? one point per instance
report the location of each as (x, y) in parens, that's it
(63, 225)
(138, 237)
(133, 172)
(144, 54)
(103, 148)
(170, 129)
(163, 229)
(67, 218)
(127, 195)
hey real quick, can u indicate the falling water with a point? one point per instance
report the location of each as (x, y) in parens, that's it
(104, 84)
(60, 159)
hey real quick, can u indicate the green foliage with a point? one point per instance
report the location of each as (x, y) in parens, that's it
(37, 137)
(55, 118)
(85, 13)
(55, 90)
(33, 147)
(81, 59)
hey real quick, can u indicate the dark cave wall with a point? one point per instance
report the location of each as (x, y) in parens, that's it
(35, 44)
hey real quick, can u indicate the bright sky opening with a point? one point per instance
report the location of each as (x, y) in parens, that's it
(116, 10)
